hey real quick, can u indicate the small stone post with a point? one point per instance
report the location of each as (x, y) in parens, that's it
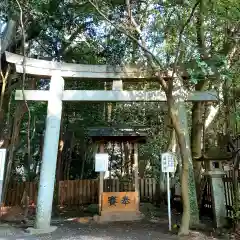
(49, 161)
(218, 196)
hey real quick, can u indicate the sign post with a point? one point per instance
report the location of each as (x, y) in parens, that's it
(167, 160)
(101, 166)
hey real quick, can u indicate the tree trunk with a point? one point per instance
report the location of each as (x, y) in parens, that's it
(196, 140)
(5, 126)
(72, 142)
(178, 114)
(83, 165)
(19, 113)
(59, 159)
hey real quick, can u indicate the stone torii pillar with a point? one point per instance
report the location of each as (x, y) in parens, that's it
(49, 160)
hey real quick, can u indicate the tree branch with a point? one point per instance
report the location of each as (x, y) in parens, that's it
(4, 84)
(24, 77)
(122, 30)
(180, 43)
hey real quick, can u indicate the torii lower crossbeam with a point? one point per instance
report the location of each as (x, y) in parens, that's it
(112, 96)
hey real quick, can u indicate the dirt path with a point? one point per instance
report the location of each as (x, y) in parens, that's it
(113, 231)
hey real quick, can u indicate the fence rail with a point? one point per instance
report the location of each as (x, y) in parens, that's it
(15, 192)
(229, 194)
(78, 192)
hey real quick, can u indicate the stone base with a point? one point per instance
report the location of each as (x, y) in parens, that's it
(36, 231)
(118, 216)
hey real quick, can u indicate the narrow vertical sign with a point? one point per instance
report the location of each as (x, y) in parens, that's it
(2, 166)
(101, 162)
(167, 162)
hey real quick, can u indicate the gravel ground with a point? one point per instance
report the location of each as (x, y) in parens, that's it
(113, 231)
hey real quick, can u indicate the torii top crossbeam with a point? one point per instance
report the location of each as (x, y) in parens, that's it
(71, 70)
(100, 72)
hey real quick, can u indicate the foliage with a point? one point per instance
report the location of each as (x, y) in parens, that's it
(198, 40)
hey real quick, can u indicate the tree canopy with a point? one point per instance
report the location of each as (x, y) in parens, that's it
(198, 41)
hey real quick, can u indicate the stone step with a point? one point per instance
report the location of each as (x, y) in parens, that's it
(119, 216)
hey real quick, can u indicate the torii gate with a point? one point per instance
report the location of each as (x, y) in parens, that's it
(56, 71)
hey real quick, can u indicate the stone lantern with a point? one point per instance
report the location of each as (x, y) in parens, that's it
(213, 161)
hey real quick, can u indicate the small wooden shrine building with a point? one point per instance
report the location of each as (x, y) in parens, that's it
(119, 206)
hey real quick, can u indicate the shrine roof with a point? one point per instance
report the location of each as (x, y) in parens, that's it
(118, 134)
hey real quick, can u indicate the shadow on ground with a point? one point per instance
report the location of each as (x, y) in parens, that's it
(153, 227)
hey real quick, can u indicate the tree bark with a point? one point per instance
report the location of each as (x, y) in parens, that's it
(83, 165)
(19, 113)
(59, 160)
(196, 139)
(178, 114)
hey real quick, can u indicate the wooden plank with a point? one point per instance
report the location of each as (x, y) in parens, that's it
(59, 193)
(84, 191)
(146, 188)
(74, 192)
(13, 193)
(154, 189)
(142, 189)
(18, 198)
(31, 191)
(46, 68)
(89, 191)
(112, 96)
(68, 195)
(81, 192)
(150, 192)
(93, 191)
(23, 185)
(78, 192)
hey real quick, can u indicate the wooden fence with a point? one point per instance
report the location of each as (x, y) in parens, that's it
(228, 188)
(229, 192)
(206, 199)
(15, 192)
(78, 192)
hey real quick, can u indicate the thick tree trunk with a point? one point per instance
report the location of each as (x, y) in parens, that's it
(5, 126)
(196, 139)
(83, 166)
(70, 154)
(178, 114)
(19, 113)
(59, 159)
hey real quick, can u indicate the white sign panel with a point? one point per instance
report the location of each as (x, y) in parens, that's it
(2, 162)
(101, 162)
(168, 163)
